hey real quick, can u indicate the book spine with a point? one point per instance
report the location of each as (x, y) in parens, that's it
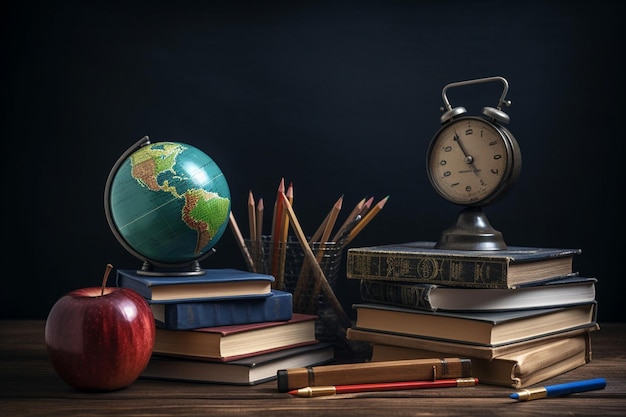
(387, 292)
(428, 269)
(125, 282)
(373, 372)
(187, 316)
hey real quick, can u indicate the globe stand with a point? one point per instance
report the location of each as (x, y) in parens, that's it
(193, 269)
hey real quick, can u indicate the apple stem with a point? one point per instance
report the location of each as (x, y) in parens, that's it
(107, 271)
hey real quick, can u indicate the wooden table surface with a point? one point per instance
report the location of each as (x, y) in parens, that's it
(30, 387)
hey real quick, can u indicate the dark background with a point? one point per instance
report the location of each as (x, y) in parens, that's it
(338, 98)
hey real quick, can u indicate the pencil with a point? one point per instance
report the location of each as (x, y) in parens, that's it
(260, 208)
(371, 213)
(425, 369)
(328, 228)
(252, 227)
(241, 242)
(310, 257)
(315, 292)
(382, 386)
(366, 206)
(258, 256)
(277, 228)
(351, 217)
(280, 284)
(317, 236)
(320, 229)
(251, 216)
(302, 304)
(359, 216)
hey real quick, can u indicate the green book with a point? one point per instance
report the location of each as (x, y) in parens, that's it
(421, 262)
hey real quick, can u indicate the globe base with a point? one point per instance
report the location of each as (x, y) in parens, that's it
(193, 269)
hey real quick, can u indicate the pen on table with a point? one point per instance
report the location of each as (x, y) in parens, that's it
(558, 390)
(382, 386)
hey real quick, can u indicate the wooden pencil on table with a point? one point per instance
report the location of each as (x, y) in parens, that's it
(320, 391)
(426, 369)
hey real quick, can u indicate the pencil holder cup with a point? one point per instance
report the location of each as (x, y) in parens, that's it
(294, 273)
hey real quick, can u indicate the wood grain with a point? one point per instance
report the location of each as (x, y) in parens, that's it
(30, 387)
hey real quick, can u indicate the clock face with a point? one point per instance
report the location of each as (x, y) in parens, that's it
(472, 162)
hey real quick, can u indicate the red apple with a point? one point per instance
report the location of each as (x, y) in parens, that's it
(100, 338)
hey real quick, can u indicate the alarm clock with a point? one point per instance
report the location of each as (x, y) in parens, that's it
(473, 161)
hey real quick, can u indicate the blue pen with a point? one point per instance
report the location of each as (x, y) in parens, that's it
(560, 389)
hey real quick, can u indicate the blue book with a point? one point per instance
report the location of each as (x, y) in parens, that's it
(213, 284)
(192, 315)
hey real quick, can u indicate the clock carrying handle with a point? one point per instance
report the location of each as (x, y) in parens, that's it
(494, 113)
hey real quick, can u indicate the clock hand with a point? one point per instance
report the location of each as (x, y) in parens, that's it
(469, 160)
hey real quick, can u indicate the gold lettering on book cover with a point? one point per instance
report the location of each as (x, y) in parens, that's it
(456, 271)
(397, 267)
(362, 264)
(478, 272)
(428, 268)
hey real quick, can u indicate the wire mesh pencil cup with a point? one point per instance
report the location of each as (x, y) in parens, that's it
(286, 261)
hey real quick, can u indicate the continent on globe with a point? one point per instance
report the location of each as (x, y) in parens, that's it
(169, 202)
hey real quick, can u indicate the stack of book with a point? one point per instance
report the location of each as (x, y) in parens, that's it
(522, 315)
(225, 326)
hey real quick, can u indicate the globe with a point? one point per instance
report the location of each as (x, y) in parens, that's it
(167, 203)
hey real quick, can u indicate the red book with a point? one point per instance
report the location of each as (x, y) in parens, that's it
(228, 343)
